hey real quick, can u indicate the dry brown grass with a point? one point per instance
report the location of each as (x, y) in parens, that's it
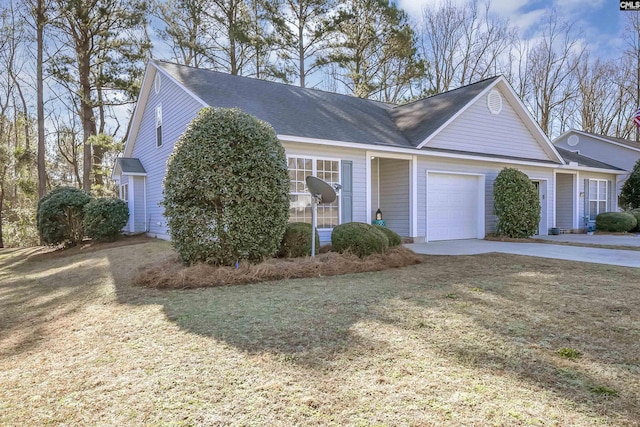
(469, 340)
(171, 274)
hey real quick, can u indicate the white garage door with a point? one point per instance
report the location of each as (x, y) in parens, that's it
(452, 206)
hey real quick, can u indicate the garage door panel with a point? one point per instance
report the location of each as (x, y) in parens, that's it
(452, 206)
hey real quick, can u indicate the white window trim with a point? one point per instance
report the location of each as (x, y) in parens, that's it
(314, 171)
(598, 199)
(122, 186)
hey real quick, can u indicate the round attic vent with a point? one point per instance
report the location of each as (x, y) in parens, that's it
(156, 83)
(494, 102)
(573, 140)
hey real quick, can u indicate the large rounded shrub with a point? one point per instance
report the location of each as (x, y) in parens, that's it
(226, 191)
(359, 239)
(516, 204)
(60, 216)
(636, 214)
(104, 218)
(394, 238)
(630, 193)
(296, 241)
(616, 222)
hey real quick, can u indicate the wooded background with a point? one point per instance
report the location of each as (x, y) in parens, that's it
(70, 72)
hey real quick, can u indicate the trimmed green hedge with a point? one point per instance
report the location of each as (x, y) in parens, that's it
(616, 222)
(60, 216)
(394, 238)
(226, 191)
(296, 241)
(104, 218)
(359, 239)
(636, 214)
(516, 203)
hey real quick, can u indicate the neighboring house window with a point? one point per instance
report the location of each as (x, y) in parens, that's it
(124, 192)
(159, 126)
(300, 199)
(597, 197)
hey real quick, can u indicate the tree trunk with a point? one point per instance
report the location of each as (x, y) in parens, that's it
(86, 111)
(1, 205)
(301, 53)
(42, 173)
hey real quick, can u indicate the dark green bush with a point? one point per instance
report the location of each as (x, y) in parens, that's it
(394, 238)
(296, 241)
(615, 222)
(359, 238)
(636, 214)
(516, 204)
(60, 215)
(226, 191)
(104, 218)
(630, 193)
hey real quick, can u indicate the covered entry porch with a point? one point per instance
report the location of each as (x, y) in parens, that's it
(392, 190)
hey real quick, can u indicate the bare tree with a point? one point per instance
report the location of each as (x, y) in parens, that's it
(552, 63)
(463, 44)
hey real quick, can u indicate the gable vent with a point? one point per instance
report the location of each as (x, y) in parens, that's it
(494, 102)
(156, 83)
(573, 140)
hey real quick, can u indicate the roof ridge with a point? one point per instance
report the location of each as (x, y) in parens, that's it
(447, 91)
(289, 85)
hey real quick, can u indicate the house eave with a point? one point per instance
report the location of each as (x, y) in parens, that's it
(411, 151)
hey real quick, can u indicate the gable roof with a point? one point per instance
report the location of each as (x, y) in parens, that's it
(419, 119)
(128, 166)
(293, 110)
(634, 145)
(573, 156)
(316, 115)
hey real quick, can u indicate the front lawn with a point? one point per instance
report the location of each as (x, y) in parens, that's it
(475, 340)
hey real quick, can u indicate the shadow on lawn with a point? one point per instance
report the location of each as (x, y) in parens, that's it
(526, 308)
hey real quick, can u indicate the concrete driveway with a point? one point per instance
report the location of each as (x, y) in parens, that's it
(623, 258)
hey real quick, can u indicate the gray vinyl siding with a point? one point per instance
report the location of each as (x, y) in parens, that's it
(394, 194)
(139, 222)
(358, 175)
(178, 109)
(477, 130)
(611, 154)
(564, 200)
(612, 197)
(490, 171)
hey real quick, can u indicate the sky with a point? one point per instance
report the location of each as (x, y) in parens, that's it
(599, 21)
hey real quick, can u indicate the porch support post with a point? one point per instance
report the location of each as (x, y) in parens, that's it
(576, 209)
(367, 169)
(413, 202)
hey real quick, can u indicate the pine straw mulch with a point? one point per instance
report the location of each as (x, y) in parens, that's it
(171, 274)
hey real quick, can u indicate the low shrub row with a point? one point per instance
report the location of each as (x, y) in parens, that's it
(67, 214)
(354, 237)
(617, 222)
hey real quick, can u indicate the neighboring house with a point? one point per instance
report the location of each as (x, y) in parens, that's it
(428, 165)
(618, 152)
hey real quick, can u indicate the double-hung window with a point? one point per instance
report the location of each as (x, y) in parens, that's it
(597, 197)
(300, 199)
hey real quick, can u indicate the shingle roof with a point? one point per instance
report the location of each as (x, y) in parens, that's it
(292, 110)
(130, 165)
(572, 156)
(420, 119)
(312, 113)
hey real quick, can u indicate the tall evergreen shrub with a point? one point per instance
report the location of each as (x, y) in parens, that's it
(226, 191)
(516, 204)
(630, 194)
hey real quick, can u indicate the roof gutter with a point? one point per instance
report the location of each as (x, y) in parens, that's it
(412, 151)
